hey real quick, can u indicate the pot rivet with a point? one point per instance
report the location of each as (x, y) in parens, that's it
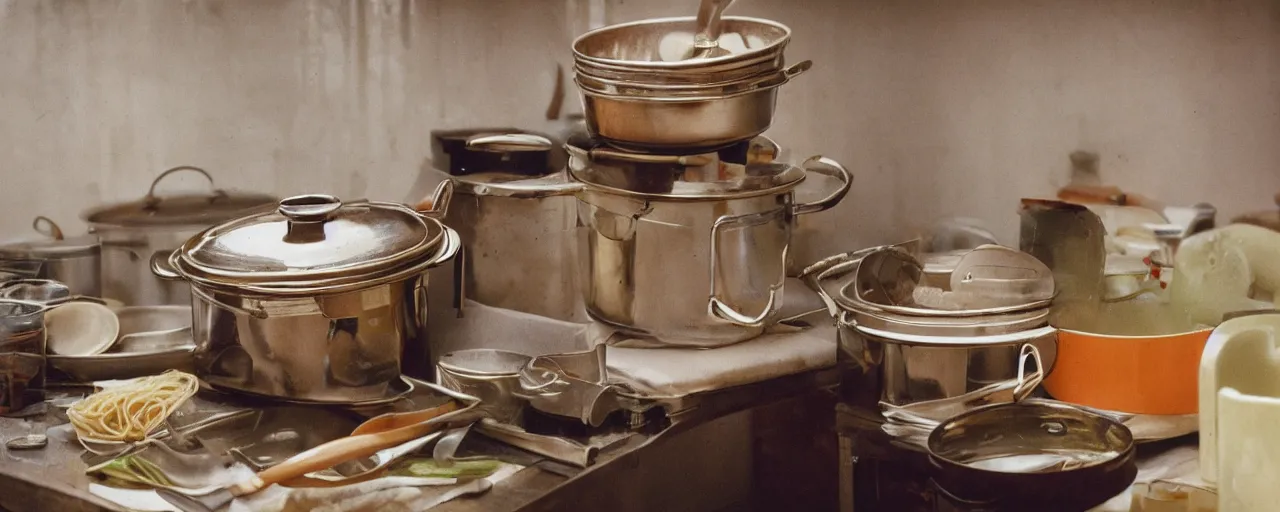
(1054, 427)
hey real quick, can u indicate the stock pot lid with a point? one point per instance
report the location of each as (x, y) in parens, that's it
(51, 249)
(313, 241)
(203, 209)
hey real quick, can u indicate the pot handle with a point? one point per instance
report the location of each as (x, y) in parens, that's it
(440, 199)
(1028, 382)
(162, 266)
(819, 164)
(715, 306)
(46, 227)
(511, 142)
(449, 247)
(150, 201)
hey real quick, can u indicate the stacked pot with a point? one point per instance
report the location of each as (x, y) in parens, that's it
(638, 94)
(685, 214)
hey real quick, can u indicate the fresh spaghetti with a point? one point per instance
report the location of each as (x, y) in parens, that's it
(133, 409)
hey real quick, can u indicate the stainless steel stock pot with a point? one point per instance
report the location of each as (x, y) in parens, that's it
(317, 301)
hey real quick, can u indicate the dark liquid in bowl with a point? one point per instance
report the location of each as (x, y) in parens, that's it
(22, 369)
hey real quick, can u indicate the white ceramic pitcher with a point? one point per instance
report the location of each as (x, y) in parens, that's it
(1240, 413)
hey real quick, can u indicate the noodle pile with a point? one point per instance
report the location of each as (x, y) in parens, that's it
(130, 411)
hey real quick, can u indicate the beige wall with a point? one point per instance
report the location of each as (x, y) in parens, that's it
(941, 107)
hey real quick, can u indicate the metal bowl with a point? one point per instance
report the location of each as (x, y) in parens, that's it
(634, 46)
(491, 375)
(685, 121)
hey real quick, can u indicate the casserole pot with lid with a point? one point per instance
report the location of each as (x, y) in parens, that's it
(75, 261)
(132, 232)
(899, 356)
(318, 301)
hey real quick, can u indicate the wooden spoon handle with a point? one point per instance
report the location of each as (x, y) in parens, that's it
(330, 454)
(403, 419)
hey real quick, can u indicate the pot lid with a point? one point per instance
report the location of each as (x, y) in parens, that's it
(85, 245)
(54, 247)
(216, 206)
(741, 170)
(503, 150)
(310, 241)
(990, 279)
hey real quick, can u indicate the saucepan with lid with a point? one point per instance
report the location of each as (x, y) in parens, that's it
(74, 261)
(905, 347)
(318, 301)
(1031, 455)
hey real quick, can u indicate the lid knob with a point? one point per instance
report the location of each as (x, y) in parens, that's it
(307, 215)
(309, 208)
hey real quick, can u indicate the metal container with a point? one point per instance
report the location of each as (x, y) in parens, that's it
(318, 301)
(491, 375)
(634, 49)
(893, 357)
(132, 233)
(517, 245)
(689, 250)
(23, 341)
(654, 119)
(1032, 455)
(74, 261)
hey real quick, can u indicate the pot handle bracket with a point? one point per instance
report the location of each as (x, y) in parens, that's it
(715, 306)
(819, 164)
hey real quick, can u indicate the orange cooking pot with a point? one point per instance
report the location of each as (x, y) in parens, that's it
(1134, 374)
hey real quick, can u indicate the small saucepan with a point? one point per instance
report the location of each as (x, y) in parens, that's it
(1031, 455)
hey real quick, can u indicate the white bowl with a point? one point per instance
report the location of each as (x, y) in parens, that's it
(81, 328)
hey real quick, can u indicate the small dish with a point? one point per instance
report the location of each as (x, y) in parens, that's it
(81, 329)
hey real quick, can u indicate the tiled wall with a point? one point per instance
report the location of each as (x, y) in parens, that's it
(941, 107)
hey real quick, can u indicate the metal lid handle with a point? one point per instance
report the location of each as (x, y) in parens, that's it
(151, 200)
(1028, 382)
(511, 142)
(819, 164)
(309, 208)
(47, 227)
(306, 216)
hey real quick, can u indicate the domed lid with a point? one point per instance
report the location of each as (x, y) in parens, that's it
(310, 241)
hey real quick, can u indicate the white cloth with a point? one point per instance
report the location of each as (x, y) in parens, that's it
(668, 372)
(657, 372)
(388, 494)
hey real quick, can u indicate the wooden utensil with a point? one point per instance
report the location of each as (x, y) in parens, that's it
(367, 439)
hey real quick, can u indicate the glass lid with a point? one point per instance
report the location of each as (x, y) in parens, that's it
(310, 240)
